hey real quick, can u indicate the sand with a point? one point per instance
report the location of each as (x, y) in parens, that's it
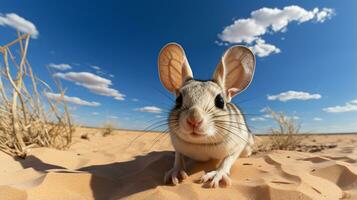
(119, 167)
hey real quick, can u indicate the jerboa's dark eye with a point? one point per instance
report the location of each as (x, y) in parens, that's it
(179, 101)
(219, 101)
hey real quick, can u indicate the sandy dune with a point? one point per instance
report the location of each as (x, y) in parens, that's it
(114, 167)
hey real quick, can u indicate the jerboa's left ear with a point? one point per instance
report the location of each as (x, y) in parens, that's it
(235, 70)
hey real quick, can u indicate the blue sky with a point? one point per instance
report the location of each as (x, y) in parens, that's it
(306, 63)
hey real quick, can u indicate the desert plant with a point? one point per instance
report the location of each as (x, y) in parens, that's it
(285, 137)
(108, 128)
(28, 118)
(85, 136)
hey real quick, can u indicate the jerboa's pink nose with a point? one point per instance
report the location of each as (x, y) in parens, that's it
(193, 122)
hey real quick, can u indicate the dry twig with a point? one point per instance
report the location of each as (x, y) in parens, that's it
(27, 117)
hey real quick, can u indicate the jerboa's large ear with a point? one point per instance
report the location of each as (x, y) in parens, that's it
(174, 69)
(235, 70)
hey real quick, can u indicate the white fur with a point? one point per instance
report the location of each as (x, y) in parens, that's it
(226, 147)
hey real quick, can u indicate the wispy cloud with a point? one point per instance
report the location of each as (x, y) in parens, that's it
(74, 100)
(60, 66)
(95, 67)
(293, 95)
(95, 113)
(150, 109)
(268, 116)
(93, 82)
(350, 106)
(112, 117)
(269, 20)
(19, 23)
(135, 99)
(317, 119)
(100, 71)
(264, 110)
(257, 119)
(267, 112)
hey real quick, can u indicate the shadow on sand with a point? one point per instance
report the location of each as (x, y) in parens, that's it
(129, 177)
(36, 164)
(121, 179)
(115, 180)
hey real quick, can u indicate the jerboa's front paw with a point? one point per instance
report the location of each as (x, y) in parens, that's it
(216, 177)
(174, 175)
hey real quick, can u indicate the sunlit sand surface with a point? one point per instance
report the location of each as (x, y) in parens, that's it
(119, 167)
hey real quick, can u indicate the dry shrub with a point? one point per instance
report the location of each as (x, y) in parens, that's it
(28, 118)
(85, 136)
(108, 128)
(285, 137)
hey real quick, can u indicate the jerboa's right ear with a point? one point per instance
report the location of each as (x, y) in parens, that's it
(235, 70)
(174, 69)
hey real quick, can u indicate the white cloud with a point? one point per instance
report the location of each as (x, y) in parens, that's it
(269, 20)
(219, 43)
(95, 113)
(264, 110)
(112, 117)
(291, 95)
(353, 101)
(267, 116)
(93, 82)
(263, 49)
(150, 109)
(95, 67)
(296, 117)
(317, 119)
(74, 100)
(84, 78)
(15, 21)
(60, 66)
(257, 119)
(348, 107)
(325, 13)
(135, 99)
